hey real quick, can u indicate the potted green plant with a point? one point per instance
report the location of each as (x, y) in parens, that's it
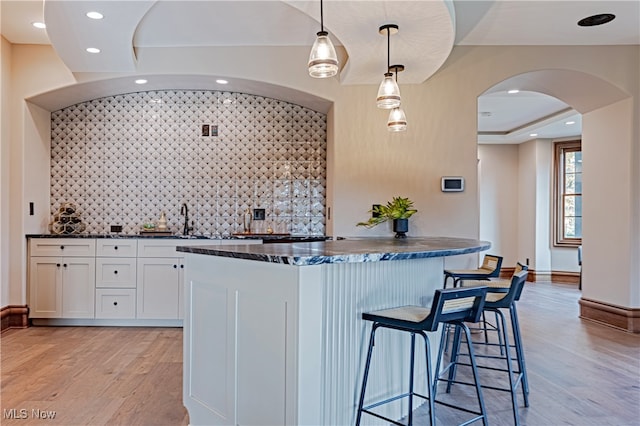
(399, 209)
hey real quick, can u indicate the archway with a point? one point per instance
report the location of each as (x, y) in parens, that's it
(608, 178)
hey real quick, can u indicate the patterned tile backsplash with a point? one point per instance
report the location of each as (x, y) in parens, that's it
(125, 159)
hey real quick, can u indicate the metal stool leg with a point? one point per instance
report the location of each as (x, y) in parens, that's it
(512, 383)
(366, 373)
(476, 377)
(515, 324)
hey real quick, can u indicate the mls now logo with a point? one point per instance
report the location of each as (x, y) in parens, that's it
(23, 413)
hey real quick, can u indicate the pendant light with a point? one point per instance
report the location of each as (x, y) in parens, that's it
(397, 119)
(388, 92)
(323, 61)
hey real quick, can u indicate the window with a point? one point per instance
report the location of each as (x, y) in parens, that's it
(568, 193)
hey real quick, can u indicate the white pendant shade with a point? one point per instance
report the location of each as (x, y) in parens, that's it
(323, 61)
(397, 120)
(388, 93)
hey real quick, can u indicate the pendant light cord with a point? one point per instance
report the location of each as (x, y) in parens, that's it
(321, 18)
(388, 48)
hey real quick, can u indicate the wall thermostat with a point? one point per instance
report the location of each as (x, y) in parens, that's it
(452, 184)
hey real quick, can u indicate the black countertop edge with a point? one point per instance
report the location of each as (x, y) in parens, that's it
(264, 238)
(357, 250)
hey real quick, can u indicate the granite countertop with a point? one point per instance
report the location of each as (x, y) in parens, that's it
(351, 250)
(263, 237)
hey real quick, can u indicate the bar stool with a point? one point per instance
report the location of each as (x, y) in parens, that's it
(490, 268)
(501, 294)
(450, 306)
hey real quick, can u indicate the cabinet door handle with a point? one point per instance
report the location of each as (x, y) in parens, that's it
(115, 248)
(115, 303)
(65, 265)
(181, 266)
(58, 265)
(175, 266)
(61, 247)
(115, 272)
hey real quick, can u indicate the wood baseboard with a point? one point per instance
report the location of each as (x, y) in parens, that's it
(14, 316)
(566, 277)
(508, 272)
(627, 319)
(555, 276)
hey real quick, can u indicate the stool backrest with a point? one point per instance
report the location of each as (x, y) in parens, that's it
(456, 304)
(521, 272)
(516, 286)
(492, 265)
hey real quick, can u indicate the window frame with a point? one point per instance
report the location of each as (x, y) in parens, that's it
(560, 148)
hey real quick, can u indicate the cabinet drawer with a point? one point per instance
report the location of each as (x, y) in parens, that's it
(115, 272)
(115, 303)
(62, 247)
(116, 247)
(167, 247)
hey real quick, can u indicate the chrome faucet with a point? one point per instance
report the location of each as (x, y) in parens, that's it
(184, 211)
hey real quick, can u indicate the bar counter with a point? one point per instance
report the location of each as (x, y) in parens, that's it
(273, 333)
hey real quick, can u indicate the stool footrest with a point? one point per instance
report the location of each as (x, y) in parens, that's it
(388, 400)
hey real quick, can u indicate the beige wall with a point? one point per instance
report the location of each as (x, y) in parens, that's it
(610, 193)
(498, 194)
(369, 165)
(5, 152)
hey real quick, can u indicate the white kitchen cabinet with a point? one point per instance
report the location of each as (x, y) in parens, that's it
(61, 287)
(109, 281)
(159, 288)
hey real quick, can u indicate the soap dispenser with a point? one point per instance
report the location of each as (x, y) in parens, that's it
(247, 221)
(162, 222)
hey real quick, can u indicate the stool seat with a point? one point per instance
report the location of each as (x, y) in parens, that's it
(453, 306)
(490, 268)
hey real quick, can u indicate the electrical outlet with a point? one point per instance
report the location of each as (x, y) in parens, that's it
(527, 261)
(259, 214)
(116, 228)
(205, 130)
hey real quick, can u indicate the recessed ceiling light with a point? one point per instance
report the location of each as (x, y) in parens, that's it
(221, 81)
(93, 50)
(141, 81)
(40, 25)
(569, 123)
(599, 19)
(512, 91)
(95, 15)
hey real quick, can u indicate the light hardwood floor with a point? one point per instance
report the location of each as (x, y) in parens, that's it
(580, 373)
